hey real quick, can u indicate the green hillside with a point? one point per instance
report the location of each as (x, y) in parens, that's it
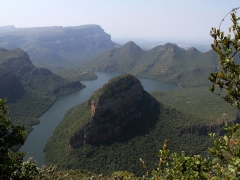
(183, 117)
(199, 102)
(123, 153)
(30, 90)
(165, 63)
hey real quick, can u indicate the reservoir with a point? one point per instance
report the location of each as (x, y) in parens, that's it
(36, 140)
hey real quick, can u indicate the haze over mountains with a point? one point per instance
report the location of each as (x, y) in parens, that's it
(168, 63)
(70, 51)
(57, 45)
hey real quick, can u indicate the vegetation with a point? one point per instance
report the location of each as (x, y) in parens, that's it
(223, 161)
(229, 77)
(165, 63)
(25, 111)
(140, 139)
(110, 88)
(11, 165)
(37, 88)
(198, 102)
(74, 74)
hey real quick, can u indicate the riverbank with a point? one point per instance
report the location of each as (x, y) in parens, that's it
(37, 139)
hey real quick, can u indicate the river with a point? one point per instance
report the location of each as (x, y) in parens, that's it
(36, 140)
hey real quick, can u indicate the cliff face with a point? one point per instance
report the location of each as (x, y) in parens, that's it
(113, 107)
(57, 45)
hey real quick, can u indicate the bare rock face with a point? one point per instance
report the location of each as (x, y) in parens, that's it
(113, 106)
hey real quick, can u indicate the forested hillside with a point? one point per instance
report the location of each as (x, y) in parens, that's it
(30, 90)
(186, 128)
(166, 63)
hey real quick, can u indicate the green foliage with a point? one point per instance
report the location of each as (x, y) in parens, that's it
(165, 63)
(77, 74)
(223, 160)
(112, 87)
(198, 102)
(228, 78)
(143, 138)
(11, 165)
(26, 110)
(41, 87)
(11, 162)
(10, 136)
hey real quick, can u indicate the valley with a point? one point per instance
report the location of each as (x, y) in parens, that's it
(186, 130)
(37, 139)
(30, 90)
(183, 110)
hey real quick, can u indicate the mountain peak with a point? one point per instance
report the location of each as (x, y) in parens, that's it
(192, 49)
(112, 107)
(168, 48)
(131, 45)
(14, 59)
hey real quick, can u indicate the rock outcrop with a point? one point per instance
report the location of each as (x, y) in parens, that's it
(113, 106)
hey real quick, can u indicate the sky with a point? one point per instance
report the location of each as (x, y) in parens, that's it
(143, 19)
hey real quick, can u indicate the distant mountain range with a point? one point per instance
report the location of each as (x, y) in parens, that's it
(57, 46)
(69, 51)
(168, 63)
(120, 122)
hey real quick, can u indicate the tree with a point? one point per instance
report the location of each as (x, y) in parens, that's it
(224, 157)
(224, 161)
(225, 153)
(228, 78)
(11, 165)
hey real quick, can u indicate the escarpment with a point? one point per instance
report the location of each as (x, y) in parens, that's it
(119, 102)
(57, 45)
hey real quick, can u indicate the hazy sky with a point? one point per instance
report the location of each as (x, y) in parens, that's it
(155, 19)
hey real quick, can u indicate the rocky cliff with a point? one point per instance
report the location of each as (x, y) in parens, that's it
(113, 106)
(57, 45)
